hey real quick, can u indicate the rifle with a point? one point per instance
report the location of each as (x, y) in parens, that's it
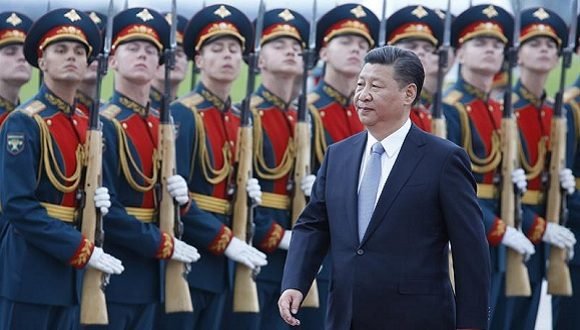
(177, 297)
(438, 126)
(245, 291)
(383, 25)
(559, 282)
(303, 145)
(517, 279)
(194, 69)
(93, 303)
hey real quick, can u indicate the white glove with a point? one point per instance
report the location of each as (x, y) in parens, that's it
(102, 200)
(567, 180)
(254, 191)
(177, 188)
(104, 262)
(285, 242)
(240, 251)
(519, 179)
(559, 236)
(307, 183)
(517, 241)
(184, 252)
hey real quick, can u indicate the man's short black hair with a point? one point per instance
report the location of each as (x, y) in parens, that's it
(406, 65)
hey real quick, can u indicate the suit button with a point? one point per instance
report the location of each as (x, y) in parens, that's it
(360, 252)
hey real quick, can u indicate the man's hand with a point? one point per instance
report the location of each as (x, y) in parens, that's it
(307, 183)
(289, 304)
(177, 188)
(517, 241)
(102, 200)
(567, 181)
(105, 262)
(254, 191)
(184, 252)
(245, 254)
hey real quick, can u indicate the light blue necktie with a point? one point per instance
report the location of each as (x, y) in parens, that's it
(368, 189)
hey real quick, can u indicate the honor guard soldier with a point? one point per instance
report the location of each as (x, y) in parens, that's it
(564, 309)
(344, 35)
(131, 168)
(420, 30)
(543, 34)
(216, 38)
(87, 90)
(480, 35)
(42, 251)
(179, 71)
(284, 35)
(14, 70)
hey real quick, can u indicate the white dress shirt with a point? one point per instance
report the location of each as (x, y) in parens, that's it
(392, 145)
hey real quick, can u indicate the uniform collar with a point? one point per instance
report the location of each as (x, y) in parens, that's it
(472, 90)
(7, 105)
(155, 95)
(130, 104)
(335, 94)
(48, 96)
(215, 101)
(525, 93)
(272, 98)
(84, 99)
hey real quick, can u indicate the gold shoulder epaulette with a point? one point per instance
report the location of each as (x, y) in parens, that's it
(255, 101)
(571, 94)
(33, 108)
(312, 97)
(111, 111)
(191, 101)
(452, 97)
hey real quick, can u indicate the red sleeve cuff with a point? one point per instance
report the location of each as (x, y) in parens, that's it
(270, 243)
(165, 250)
(221, 241)
(82, 253)
(536, 231)
(495, 234)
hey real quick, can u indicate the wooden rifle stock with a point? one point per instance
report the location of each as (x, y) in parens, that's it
(93, 303)
(517, 279)
(245, 290)
(559, 282)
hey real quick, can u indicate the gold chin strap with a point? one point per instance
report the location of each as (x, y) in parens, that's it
(479, 165)
(50, 163)
(261, 167)
(128, 163)
(211, 174)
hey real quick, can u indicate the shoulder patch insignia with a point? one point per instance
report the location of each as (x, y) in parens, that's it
(452, 97)
(110, 111)
(191, 101)
(33, 108)
(15, 143)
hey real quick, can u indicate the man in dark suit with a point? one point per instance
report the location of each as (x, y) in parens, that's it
(389, 262)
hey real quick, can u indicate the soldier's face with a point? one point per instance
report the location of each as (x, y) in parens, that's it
(179, 70)
(423, 49)
(434, 62)
(281, 56)
(482, 55)
(136, 61)
(345, 54)
(539, 55)
(64, 61)
(220, 60)
(380, 101)
(14, 69)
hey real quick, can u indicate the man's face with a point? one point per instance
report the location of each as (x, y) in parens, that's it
(281, 56)
(539, 54)
(424, 50)
(13, 66)
(136, 61)
(64, 61)
(179, 70)
(483, 55)
(433, 60)
(220, 60)
(379, 99)
(345, 54)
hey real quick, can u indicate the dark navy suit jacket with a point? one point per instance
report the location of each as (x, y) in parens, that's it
(397, 276)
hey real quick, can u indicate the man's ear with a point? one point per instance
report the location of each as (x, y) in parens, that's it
(41, 64)
(410, 94)
(323, 53)
(112, 61)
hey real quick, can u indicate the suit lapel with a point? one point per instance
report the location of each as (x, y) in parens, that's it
(349, 171)
(409, 156)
